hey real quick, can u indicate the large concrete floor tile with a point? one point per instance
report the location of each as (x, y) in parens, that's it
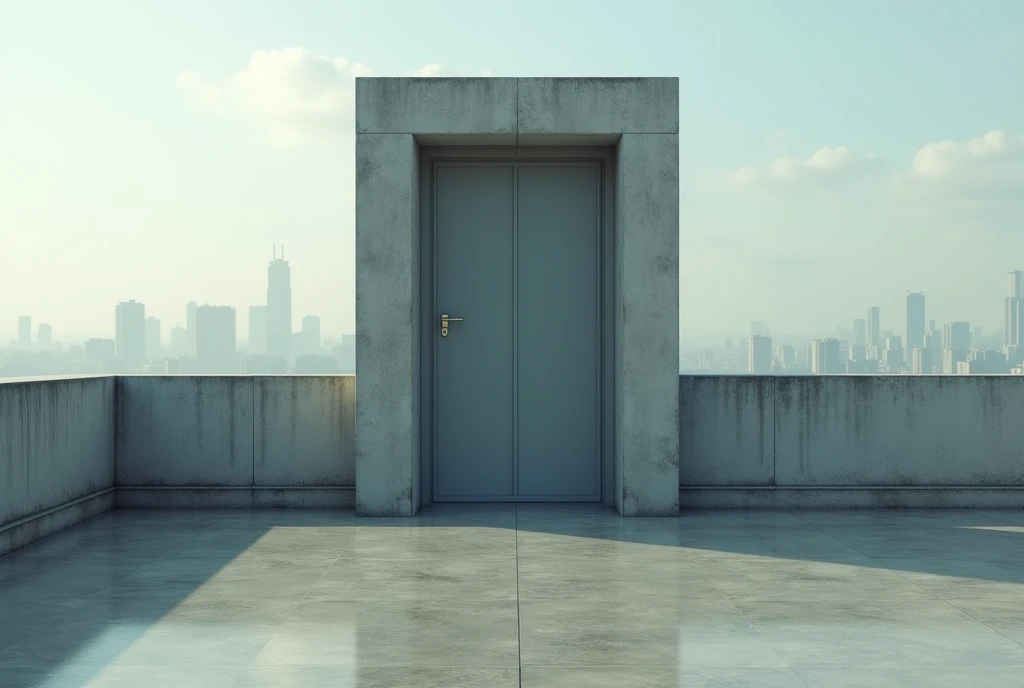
(466, 578)
(443, 541)
(611, 632)
(185, 675)
(967, 676)
(595, 542)
(1014, 517)
(883, 633)
(665, 574)
(1005, 616)
(56, 676)
(936, 544)
(73, 645)
(893, 518)
(769, 578)
(416, 633)
(140, 645)
(811, 545)
(962, 577)
(659, 677)
(377, 677)
(230, 584)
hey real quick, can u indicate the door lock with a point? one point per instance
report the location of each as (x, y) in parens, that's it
(445, 319)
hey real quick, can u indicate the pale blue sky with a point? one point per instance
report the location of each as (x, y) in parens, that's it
(120, 178)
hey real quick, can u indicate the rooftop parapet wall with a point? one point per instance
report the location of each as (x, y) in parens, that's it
(56, 455)
(215, 441)
(852, 441)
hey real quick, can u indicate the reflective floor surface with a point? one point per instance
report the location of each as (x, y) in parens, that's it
(518, 596)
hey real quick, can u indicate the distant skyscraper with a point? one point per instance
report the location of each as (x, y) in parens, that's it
(1014, 308)
(976, 337)
(179, 342)
(311, 333)
(913, 332)
(759, 355)
(860, 332)
(190, 326)
(893, 355)
(956, 335)
(257, 330)
(279, 306)
(152, 337)
(951, 360)
(216, 350)
(874, 332)
(25, 331)
(825, 357)
(99, 349)
(346, 354)
(758, 329)
(130, 331)
(786, 355)
(44, 337)
(921, 363)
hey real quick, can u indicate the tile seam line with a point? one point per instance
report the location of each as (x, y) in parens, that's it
(519, 611)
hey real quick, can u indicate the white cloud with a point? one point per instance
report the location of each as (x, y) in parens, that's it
(978, 172)
(826, 167)
(293, 93)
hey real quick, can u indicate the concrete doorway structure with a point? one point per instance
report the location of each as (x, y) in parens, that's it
(544, 212)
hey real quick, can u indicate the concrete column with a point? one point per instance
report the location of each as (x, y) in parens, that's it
(387, 316)
(647, 337)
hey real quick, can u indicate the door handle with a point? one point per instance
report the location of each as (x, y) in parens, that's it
(445, 319)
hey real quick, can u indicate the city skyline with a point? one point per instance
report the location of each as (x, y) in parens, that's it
(922, 347)
(208, 342)
(809, 187)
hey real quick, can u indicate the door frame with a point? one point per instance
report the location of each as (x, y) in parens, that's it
(429, 157)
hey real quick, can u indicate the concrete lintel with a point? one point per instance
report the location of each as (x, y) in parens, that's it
(598, 106)
(435, 105)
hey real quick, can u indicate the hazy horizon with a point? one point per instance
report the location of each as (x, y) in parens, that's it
(833, 157)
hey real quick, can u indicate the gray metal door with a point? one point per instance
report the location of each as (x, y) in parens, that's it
(517, 381)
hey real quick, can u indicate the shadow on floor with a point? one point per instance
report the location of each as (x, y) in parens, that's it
(79, 602)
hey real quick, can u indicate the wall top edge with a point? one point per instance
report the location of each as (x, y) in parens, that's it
(70, 378)
(554, 79)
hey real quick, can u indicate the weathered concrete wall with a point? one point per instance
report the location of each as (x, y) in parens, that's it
(726, 430)
(56, 455)
(647, 343)
(849, 441)
(240, 441)
(304, 439)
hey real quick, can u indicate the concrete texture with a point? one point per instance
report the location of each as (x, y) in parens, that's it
(647, 340)
(726, 430)
(598, 106)
(305, 431)
(387, 350)
(640, 116)
(436, 106)
(852, 441)
(236, 441)
(56, 455)
(72, 448)
(184, 431)
(524, 595)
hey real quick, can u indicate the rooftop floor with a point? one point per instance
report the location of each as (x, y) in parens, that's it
(509, 596)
